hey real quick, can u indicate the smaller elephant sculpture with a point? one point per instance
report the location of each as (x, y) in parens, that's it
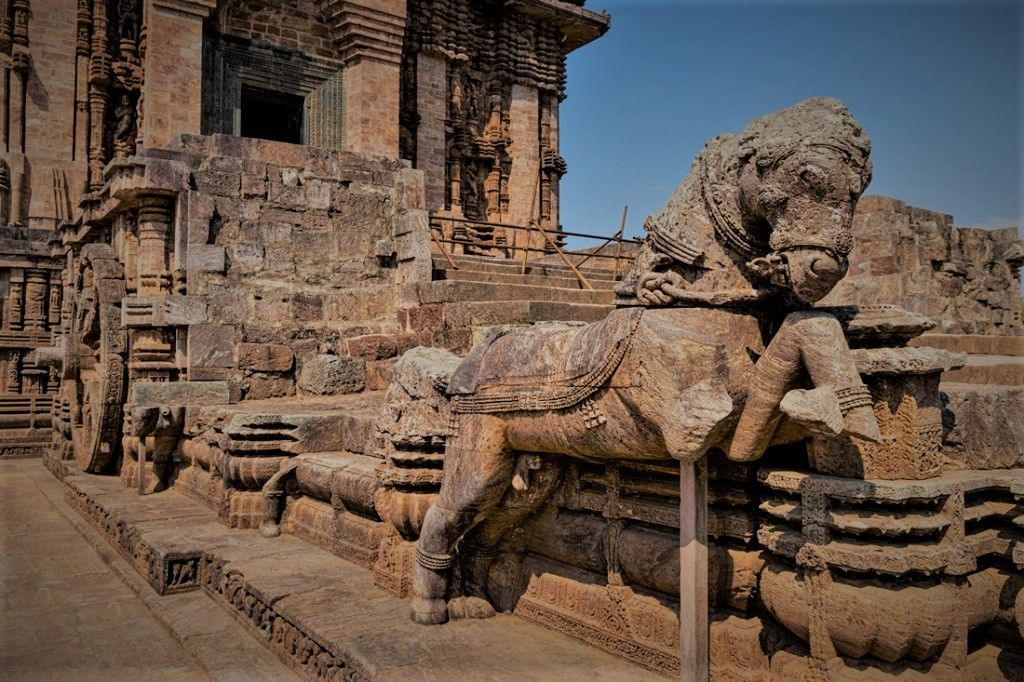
(159, 428)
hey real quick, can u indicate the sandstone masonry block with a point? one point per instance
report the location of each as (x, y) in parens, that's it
(333, 374)
(263, 357)
(210, 345)
(373, 346)
(263, 388)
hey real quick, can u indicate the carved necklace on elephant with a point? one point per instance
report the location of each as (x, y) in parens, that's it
(720, 200)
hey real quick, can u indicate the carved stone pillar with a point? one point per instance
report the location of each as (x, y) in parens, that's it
(10, 382)
(82, 50)
(53, 380)
(99, 79)
(152, 352)
(36, 294)
(97, 114)
(154, 235)
(55, 303)
(15, 305)
(5, 99)
(21, 64)
(5, 172)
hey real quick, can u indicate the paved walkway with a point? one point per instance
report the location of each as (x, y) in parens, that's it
(64, 614)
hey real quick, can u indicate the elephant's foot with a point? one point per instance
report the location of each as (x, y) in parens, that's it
(469, 607)
(860, 422)
(269, 529)
(817, 410)
(429, 611)
(155, 486)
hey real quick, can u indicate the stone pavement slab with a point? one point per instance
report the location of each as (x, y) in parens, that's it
(72, 609)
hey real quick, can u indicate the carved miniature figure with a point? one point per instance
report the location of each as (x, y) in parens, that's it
(128, 20)
(713, 343)
(124, 124)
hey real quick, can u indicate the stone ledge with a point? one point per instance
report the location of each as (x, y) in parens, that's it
(318, 613)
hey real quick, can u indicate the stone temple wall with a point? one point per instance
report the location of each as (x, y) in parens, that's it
(293, 25)
(965, 279)
(297, 251)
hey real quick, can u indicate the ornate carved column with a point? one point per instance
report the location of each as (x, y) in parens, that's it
(54, 305)
(154, 229)
(99, 78)
(20, 56)
(151, 350)
(11, 379)
(82, 48)
(36, 295)
(15, 294)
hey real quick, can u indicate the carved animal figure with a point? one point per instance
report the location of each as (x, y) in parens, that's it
(714, 339)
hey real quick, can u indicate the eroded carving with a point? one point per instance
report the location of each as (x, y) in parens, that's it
(759, 232)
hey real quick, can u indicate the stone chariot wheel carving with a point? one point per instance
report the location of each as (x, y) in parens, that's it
(95, 369)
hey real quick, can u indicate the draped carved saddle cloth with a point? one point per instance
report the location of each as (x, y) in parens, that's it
(541, 369)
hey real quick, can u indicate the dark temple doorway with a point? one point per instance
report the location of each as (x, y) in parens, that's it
(272, 115)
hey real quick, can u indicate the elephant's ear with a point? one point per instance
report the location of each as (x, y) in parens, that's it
(699, 420)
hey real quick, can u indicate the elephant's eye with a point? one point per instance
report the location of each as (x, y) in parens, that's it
(812, 176)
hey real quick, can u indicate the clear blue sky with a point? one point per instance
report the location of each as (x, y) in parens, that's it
(937, 86)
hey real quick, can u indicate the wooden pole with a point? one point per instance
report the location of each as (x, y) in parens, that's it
(440, 246)
(534, 218)
(693, 572)
(618, 245)
(579, 275)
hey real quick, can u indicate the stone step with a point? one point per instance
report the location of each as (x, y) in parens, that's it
(990, 370)
(452, 291)
(464, 275)
(285, 590)
(508, 265)
(975, 344)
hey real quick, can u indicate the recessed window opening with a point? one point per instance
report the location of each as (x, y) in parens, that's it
(272, 115)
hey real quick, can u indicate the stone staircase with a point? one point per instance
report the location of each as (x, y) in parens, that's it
(983, 400)
(991, 360)
(480, 292)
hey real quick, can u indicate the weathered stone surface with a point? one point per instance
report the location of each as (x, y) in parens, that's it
(332, 374)
(211, 345)
(964, 279)
(263, 357)
(303, 251)
(181, 393)
(982, 426)
(263, 387)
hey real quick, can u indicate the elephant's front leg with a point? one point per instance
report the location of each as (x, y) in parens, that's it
(812, 342)
(477, 472)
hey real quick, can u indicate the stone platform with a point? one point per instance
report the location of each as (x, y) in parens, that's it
(318, 613)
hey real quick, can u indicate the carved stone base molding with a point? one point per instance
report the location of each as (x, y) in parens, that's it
(319, 613)
(167, 563)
